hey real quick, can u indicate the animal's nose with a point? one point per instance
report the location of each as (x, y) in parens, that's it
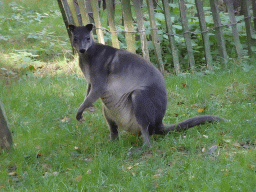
(82, 50)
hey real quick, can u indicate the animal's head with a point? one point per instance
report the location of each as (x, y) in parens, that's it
(81, 37)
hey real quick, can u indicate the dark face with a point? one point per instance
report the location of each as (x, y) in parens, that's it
(82, 39)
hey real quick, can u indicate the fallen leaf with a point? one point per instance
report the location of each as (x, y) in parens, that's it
(212, 149)
(39, 155)
(236, 144)
(12, 174)
(130, 167)
(76, 147)
(156, 176)
(46, 174)
(66, 119)
(245, 146)
(194, 105)
(205, 136)
(227, 140)
(55, 173)
(78, 178)
(184, 85)
(200, 110)
(92, 108)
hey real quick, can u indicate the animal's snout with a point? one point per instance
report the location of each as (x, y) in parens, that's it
(82, 50)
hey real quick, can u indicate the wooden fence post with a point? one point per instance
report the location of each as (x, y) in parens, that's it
(155, 35)
(187, 35)
(112, 25)
(231, 13)
(78, 14)
(96, 16)
(204, 31)
(168, 22)
(67, 11)
(247, 18)
(66, 20)
(88, 8)
(85, 17)
(141, 27)
(5, 134)
(218, 31)
(128, 26)
(254, 13)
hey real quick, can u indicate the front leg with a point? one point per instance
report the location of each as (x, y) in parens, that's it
(95, 89)
(94, 94)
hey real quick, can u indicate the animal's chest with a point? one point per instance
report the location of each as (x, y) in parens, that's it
(85, 68)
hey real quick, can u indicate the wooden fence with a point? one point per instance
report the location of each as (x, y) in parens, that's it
(79, 12)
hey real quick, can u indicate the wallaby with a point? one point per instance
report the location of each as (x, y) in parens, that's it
(131, 88)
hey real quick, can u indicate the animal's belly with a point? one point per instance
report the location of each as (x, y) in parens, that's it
(120, 110)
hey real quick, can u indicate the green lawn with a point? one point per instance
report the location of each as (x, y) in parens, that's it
(52, 151)
(41, 88)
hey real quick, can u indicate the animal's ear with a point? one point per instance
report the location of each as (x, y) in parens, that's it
(89, 27)
(71, 28)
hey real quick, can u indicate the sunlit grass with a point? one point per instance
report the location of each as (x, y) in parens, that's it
(55, 152)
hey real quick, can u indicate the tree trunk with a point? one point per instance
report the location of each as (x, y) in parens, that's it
(5, 134)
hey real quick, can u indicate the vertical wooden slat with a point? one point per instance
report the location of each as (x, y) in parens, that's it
(96, 16)
(85, 18)
(112, 26)
(88, 8)
(128, 26)
(187, 34)
(68, 12)
(155, 35)
(247, 18)
(66, 22)
(254, 13)
(73, 11)
(143, 38)
(218, 31)
(204, 31)
(168, 22)
(231, 13)
(78, 14)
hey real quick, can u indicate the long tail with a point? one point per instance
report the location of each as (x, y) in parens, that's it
(186, 124)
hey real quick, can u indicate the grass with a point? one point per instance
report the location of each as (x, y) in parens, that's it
(54, 152)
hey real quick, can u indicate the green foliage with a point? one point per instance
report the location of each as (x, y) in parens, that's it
(197, 41)
(32, 31)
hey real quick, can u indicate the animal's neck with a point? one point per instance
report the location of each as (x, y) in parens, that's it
(93, 49)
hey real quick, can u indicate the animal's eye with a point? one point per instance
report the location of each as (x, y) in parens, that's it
(75, 39)
(88, 38)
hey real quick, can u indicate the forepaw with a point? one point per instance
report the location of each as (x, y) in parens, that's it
(79, 117)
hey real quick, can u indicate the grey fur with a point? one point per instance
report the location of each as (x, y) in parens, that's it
(132, 89)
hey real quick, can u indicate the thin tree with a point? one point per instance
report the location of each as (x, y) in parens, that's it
(5, 134)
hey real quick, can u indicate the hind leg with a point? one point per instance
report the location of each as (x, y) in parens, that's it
(144, 111)
(112, 125)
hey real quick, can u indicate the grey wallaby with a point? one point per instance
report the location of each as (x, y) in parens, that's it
(131, 88)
